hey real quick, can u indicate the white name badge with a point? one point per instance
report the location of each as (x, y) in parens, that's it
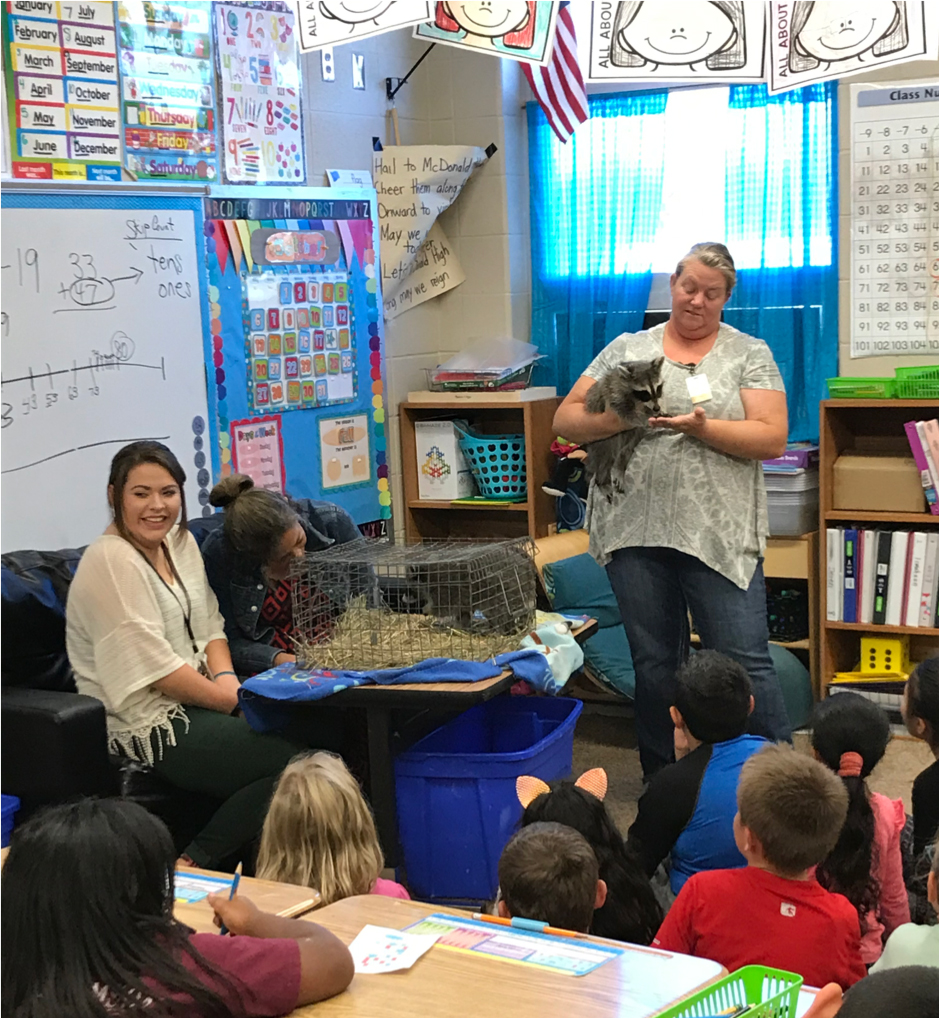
(698, 388)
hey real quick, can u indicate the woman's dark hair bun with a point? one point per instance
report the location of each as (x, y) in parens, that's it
(228, 489)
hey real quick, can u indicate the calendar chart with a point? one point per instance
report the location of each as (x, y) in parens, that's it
(895, 220)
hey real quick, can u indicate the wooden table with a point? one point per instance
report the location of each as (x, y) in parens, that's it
(379, 703)
(450, 984)
(286, 900)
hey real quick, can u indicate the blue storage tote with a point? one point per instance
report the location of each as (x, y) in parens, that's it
(9, 804)
(457, 805)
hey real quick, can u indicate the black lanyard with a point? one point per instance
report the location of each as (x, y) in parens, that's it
(187, 611)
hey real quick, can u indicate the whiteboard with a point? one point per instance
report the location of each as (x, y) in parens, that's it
(102, 344)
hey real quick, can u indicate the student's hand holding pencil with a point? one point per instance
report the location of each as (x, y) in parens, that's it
(239, 915)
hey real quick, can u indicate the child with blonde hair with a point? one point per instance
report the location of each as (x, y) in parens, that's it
(319, 832)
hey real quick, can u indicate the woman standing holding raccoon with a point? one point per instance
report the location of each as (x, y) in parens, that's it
(681, 523)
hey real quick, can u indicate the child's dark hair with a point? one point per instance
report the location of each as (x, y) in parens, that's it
(631, 911)
(908, 991)
(549, 873)
(713, 695)
(922, 697)
(850, 735)
(88, 891)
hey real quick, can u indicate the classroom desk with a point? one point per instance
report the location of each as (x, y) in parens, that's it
(286, 900)
(450, 984)
(379, 703)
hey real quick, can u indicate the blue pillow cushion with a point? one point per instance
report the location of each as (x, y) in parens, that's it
(608, 659)
(579, 585)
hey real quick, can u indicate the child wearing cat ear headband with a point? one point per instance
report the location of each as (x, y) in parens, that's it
(630, 912)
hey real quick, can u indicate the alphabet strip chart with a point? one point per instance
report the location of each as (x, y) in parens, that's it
(895, 220)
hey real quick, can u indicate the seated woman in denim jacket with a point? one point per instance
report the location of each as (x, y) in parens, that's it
(248, 561)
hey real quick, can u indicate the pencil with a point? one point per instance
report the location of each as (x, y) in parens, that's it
(223, 929)
(529, 924)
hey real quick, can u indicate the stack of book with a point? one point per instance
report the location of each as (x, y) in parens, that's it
(792, 490)
(882, 577)
(923, 437)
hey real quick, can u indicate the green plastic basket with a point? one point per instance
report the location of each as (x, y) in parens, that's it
(927, 372)
(861, 388)
(775, 992)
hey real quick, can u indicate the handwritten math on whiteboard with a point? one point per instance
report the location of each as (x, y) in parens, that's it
(895, 220)
(102, 345)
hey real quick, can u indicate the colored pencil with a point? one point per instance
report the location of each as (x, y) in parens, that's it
(231, 894)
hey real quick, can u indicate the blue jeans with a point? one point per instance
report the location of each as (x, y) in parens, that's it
(655, 589)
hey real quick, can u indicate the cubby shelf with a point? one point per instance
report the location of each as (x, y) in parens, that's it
(842, 424)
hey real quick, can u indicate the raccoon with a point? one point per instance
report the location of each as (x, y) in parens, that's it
(632, 391)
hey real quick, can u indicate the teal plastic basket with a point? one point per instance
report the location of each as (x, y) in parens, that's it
(497, 463)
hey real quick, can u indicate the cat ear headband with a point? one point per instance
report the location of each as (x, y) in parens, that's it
(528, 788)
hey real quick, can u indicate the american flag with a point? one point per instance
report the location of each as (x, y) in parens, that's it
(559, 87)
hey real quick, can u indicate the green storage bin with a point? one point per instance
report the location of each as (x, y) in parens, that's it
(776, 992)
(917, 383)
(926, 372)
(861, 388)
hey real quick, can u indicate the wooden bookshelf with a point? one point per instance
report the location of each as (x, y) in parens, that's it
(439, 520)
(843, 424)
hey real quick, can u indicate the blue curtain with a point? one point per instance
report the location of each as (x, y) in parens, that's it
(781, 212)
(595, 205)
(597, 213)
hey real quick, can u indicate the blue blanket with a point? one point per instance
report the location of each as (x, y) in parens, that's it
(265, 698)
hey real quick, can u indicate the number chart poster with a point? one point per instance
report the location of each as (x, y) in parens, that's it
(895, 220)
(168, 90)
(300, 263)
(61, 83)
(259, 74)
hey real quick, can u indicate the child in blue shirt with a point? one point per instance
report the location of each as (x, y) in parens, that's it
(688, 809)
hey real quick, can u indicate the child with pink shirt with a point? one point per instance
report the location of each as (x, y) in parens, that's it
(320, 833)
(850, 735)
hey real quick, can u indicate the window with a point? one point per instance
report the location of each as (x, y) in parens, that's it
(652, 173)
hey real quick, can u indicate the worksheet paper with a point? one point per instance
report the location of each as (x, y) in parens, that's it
(378, 949)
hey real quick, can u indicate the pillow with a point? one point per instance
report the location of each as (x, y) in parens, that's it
(608, 659)
(578, 584)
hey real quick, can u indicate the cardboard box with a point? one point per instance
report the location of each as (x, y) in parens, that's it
(442, 470)
(877, 482)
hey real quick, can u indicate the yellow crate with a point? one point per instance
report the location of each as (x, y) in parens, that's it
(885, 654)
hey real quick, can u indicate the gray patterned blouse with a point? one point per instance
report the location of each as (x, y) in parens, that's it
(681, 493)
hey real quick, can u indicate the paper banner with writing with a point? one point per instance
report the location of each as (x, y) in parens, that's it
(168, 90)
(331, 23)
(518, 31)
(259, 77)
(61, 83)
(677, 41)
(812, 42)
(415, 183)
(436, 270)
(257, 448)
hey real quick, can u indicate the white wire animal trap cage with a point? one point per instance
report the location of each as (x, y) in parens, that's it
(370, 604)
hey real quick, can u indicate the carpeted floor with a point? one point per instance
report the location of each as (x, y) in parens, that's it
(610, 742)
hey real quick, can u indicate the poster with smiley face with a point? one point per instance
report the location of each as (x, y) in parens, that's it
(520, 31)
(331, 22)
(683, 40)
(834, 38)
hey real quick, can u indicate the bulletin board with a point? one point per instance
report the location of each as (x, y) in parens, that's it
(297, 342)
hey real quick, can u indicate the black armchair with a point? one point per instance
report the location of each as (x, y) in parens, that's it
(54, 739)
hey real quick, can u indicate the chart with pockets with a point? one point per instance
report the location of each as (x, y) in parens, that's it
(895, 220)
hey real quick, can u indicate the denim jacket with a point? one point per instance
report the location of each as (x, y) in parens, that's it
(241, 590)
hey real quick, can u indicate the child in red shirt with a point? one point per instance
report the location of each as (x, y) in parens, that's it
(790, 812)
